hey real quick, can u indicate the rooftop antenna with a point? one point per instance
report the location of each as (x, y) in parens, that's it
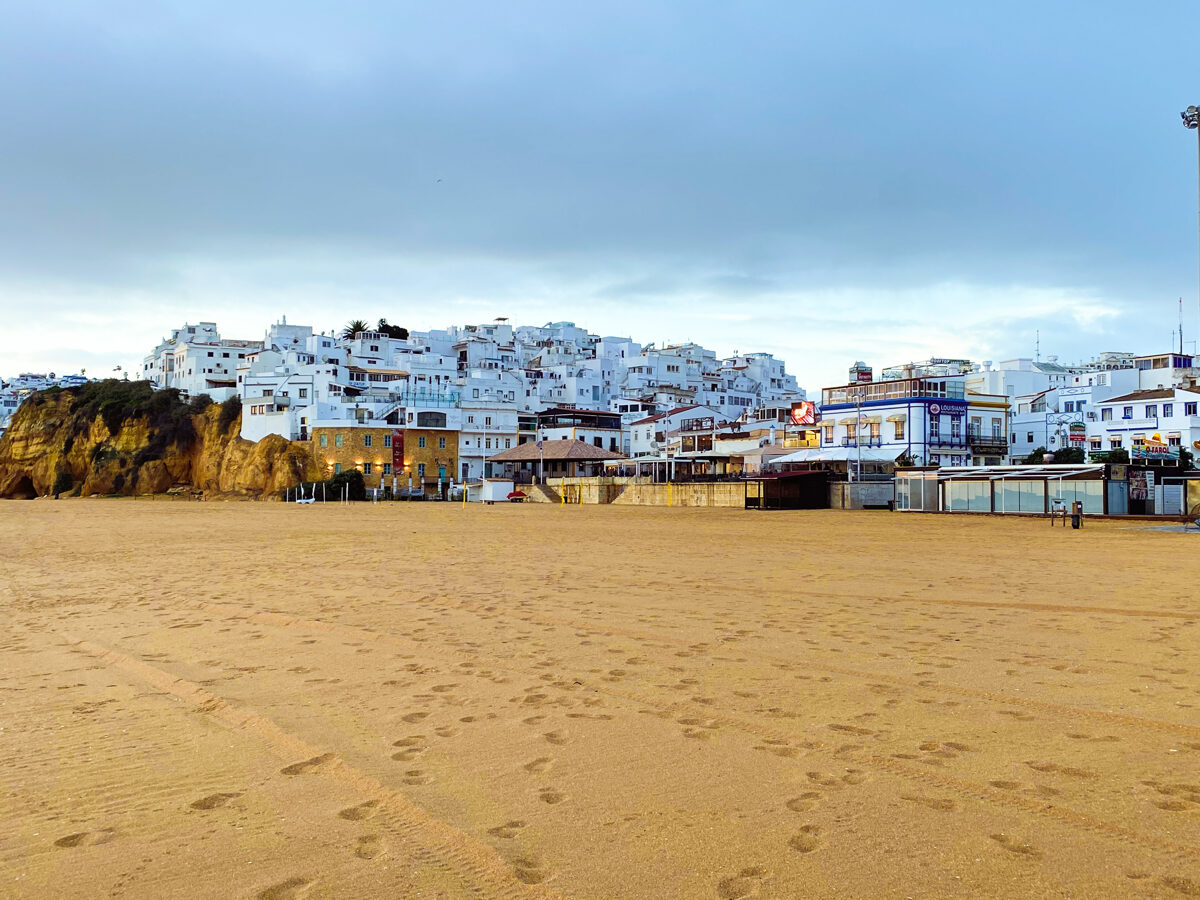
(1037, 345)
(1181, 326)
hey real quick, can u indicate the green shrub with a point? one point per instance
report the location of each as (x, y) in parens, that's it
(230, 410)
(353, 478)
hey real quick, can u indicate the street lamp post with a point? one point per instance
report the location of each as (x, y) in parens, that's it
(1191, 120)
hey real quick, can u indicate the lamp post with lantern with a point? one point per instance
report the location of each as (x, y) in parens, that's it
(1191, 121)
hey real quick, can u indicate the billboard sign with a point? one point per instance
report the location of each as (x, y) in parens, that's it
(1155, 448)
(804, 412)
(1078, 433)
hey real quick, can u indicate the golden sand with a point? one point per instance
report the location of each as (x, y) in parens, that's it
(240, 700)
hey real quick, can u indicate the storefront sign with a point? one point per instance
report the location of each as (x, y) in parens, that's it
(1078, 433)
(1154, 450)
(397, 451)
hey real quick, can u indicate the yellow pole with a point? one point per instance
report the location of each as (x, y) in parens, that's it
(668, 493)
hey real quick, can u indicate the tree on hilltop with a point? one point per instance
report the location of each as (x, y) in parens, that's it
(353, 327)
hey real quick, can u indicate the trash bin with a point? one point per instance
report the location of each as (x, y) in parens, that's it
(1076, 515)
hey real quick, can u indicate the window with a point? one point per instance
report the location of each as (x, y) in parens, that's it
(507, 443)
(387, 440)
(366, 440)
(1126, 412)
(487, 443)
(1029, 437)
(1114, 442)
(421, 470)
(1189, 409)
(1106, 414)
(337, 440)
(996, 429)
(1173, 442)
(470, 419)
(475, 393)
(267, 392)
(487, 420)
(366, 468)
(935, 427)
(323, 440)
(1151, 410)
(1068, 406)
(441, 443)
(337, 468)
(387, 468)
(828, 430)
(899, 431)
(599, 442)
(421, 442)
(1168, 410)
(303, 393)
(431, 420)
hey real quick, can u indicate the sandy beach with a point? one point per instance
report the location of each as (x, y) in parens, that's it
(426, 700)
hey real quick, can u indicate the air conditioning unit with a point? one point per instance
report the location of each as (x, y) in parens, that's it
(1091, 417)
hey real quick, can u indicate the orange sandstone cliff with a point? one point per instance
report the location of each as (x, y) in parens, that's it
(124, 438)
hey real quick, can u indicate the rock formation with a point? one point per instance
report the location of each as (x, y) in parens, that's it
(116, 437)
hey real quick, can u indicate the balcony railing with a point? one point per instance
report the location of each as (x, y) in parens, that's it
(868, 441)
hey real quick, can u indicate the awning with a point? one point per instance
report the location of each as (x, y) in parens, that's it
(899, 417)
(871, 420)
(848, 421)
(838, 454)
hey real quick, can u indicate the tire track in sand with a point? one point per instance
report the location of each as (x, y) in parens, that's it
(671, 707)
(436, 843)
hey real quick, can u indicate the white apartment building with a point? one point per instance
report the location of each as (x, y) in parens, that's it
(196, 360)
(649, 436)
(1150, 424)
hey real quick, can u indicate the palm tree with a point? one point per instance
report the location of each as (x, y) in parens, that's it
(353, 327)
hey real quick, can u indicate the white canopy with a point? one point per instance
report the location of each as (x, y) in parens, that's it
(837, 454)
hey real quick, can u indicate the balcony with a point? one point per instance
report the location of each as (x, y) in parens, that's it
(947, 440)
(985, 442)
(868, 441)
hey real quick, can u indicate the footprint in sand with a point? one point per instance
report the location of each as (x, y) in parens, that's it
(359, 813)
(508, 830)
(1074, 772)
(413, 717)
(1005, 785)
(805, 802)
(531, 869)
(417, 776)
(443, 688)
(369, 846)
(86, 838)
(316, 764)
(807, 839)
(213, 801)
(551, 796)
(287, 890)
(939, 803)
(447, 731)
(1188, 887)
(744, 884)
(539, 765)
(1015, 845)
(556, 737)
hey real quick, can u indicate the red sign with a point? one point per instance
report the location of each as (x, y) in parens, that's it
(397, 451)
(804, 412)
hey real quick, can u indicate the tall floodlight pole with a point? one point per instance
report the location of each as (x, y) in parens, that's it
(1191, 120)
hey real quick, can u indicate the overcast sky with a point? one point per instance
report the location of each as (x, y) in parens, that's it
(824, 181)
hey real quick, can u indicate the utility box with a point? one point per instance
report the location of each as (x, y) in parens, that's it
(496, 490)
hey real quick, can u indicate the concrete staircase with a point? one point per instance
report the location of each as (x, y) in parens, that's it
(539, 493)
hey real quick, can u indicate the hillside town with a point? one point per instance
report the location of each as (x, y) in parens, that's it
(428, 414)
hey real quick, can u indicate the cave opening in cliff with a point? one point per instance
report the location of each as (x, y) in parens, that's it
(23, 489)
